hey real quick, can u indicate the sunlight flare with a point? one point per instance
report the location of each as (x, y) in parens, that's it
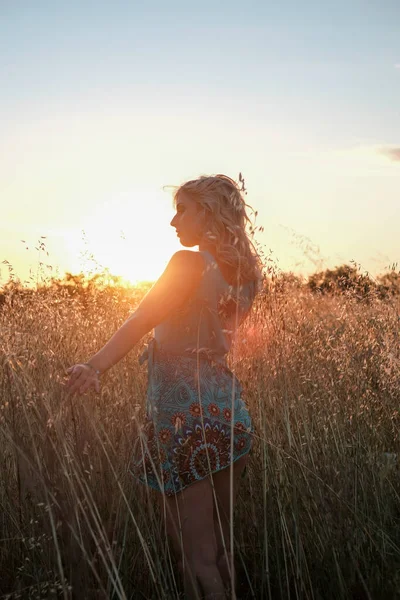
(130, 235)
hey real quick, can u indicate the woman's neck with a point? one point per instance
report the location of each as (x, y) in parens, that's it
(209, 247)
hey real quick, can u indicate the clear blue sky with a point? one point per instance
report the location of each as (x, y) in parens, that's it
(103, 103)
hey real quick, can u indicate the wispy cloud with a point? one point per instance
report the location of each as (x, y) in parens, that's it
(369, 159)
(391, 153)
(397, 66)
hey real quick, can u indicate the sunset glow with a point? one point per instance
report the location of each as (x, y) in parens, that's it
(99, 115)
(130, 236)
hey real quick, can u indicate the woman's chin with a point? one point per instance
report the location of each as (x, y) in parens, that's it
(187, 243)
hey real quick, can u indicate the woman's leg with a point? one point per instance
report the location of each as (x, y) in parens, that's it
(172, 530)
(224, 489)
(189, 517)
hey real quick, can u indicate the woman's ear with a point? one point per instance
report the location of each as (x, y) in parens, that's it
(202, 218)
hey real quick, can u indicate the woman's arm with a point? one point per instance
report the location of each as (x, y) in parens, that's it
(178, 282)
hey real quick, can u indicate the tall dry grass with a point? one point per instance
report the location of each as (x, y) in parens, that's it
(318, 514)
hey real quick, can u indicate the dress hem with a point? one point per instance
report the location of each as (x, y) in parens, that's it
(157, 488)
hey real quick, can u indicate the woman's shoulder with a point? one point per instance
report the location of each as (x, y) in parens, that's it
(188, 263)
(188, 257)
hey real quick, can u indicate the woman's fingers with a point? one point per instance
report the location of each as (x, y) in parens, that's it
(81, 380)
(78, 375)
(85, 385)
(74, 373)
(76, 379)
(89, 383)
(75, 386)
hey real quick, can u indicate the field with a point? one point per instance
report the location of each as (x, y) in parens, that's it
(318, 514)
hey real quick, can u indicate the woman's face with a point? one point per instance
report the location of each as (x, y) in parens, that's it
(188, 221)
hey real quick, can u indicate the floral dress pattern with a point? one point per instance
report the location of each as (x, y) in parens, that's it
(192, 427)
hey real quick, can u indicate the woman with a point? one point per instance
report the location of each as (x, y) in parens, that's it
(197, 425)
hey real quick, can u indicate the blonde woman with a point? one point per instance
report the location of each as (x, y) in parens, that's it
(195, 442)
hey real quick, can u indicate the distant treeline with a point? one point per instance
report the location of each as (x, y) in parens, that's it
(345, 279)
(82, 290)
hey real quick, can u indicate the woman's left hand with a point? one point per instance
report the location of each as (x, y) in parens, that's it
(82, 378)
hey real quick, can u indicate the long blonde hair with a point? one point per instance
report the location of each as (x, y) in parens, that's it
(226, 220)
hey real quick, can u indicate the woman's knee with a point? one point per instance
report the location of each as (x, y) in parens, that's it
(198, 557)
(204, 556)
(205, 569)
(197, 566)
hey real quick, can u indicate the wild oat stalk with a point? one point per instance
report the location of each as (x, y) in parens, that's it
(318, 511)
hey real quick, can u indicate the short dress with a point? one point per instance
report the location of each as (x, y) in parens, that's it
(197, 421)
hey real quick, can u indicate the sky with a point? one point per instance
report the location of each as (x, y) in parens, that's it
(102, 104)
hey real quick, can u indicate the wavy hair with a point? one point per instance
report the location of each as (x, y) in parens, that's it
(226, 221)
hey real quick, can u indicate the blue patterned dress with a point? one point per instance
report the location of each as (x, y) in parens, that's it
(195, 413)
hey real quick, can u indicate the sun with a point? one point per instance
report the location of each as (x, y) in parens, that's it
(131, 236)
